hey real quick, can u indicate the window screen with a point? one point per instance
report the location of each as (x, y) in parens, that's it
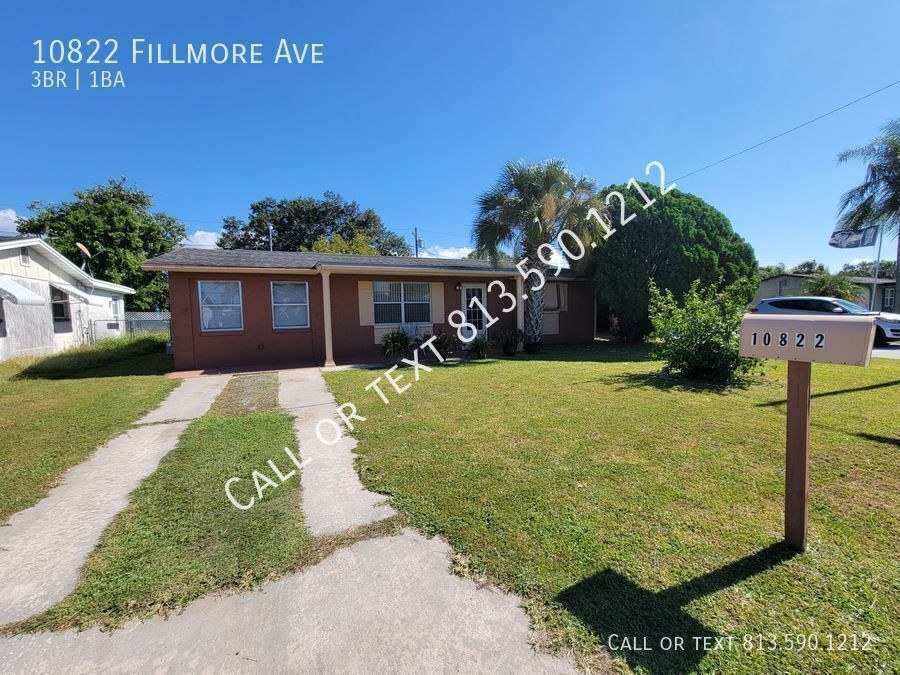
(290, 304)
(401, 302)
(220, 305)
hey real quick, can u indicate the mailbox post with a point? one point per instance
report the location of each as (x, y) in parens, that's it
(801, 340)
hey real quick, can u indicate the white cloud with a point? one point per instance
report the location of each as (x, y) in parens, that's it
(7, 220)
(859, 261)
(202, 239)
(455, 252)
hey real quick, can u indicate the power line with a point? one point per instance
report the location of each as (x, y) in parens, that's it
(791, 130)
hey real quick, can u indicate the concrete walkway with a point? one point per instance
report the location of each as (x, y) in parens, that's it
(333, 497)
(43, 548)
(383, 605)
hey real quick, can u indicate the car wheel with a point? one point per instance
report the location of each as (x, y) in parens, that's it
(880, 337)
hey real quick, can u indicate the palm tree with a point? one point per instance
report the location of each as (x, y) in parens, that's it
(529, 206)
(876, 201)
(832, 285)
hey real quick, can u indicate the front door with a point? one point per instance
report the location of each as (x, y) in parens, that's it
(474, 315)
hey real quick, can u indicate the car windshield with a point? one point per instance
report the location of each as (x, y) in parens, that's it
(851, 307)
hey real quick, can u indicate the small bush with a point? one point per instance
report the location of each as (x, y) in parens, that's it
(444, 343)
(395, 345)
(479, 348)
(699, 339)
(509, 339)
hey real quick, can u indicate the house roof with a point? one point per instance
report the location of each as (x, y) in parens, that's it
(8, 242)
(237, 260)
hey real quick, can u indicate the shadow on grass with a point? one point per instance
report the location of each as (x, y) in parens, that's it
(111, 358)
(666, 383)
(880, 439)
(599, 351)
(616, 609)
(880, 385)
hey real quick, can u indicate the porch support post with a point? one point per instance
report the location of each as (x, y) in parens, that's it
(326, 307)
(520, 305)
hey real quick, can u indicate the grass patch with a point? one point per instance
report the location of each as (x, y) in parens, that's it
(617, 502)
(55, 411)
(180, 538)
(245, 394)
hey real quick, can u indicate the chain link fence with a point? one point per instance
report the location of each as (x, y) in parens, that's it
(133, 325)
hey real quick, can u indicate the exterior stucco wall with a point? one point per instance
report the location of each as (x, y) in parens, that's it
(259, 344)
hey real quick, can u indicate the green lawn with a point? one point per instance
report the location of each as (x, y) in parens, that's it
(619, 503)
(55, 410)
(180, 537)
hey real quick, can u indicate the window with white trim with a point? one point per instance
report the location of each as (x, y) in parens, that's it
(25, 256)
(888, 299)
(114, 307)
(398, 302)
(290, 304)
(220, 306)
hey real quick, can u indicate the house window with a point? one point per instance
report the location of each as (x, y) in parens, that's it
(888, 299)
(25, 256)
(220, 306)
(59, 304)
(114, 307)
(290, 304)
(402, 302)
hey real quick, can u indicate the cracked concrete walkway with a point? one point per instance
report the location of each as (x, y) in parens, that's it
(382, 605)
(43, 548)
(333, 497)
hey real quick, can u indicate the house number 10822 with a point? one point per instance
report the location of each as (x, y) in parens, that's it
(782, 338)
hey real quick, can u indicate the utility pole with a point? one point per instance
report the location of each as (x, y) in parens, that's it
(270, 237)
(418, 242)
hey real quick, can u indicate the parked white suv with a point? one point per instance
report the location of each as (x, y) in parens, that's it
(887, 324)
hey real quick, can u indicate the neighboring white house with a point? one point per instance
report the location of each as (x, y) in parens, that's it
(48, 304)
(788, 284)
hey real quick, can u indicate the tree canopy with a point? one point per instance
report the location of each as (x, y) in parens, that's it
(887, 269)
(360, 244)
(674, 242)
(297, 224)
(115, 223)
(832, 285)
(809, 267)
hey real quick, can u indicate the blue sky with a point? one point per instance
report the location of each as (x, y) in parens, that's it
(418, 105)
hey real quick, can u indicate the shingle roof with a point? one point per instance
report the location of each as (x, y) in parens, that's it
(218, 258)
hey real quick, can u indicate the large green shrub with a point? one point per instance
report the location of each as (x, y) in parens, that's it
(699, 338)
(396, 345)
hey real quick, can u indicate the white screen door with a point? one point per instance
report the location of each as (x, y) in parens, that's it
(474, 315)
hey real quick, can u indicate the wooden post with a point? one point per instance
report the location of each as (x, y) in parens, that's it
(796, 466)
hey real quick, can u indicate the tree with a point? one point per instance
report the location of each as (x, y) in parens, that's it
(677, 240)
(526, 208)
(115, 223)
(360, 244)
(475, 254)
(876, 201)
(297, 224)
(832, 286)
(767, 271)
(809, 267)
(886, 269)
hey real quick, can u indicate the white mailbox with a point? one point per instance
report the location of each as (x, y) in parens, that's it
(796, 337)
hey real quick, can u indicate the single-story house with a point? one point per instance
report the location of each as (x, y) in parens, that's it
(788, 284)
(48, 304)
(258, 308)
